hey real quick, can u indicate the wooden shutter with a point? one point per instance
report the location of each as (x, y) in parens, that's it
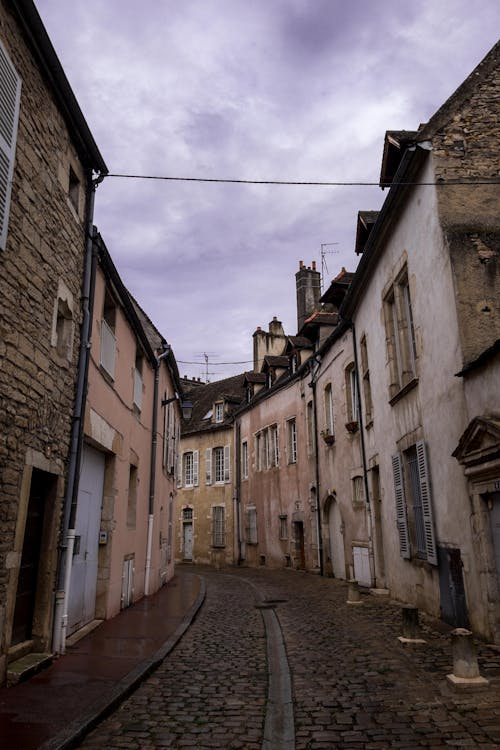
(208, 466)
(425, 492)
(227, 463)
(401, 518)
(171, 437)
(196, 461)
(179, 470)
(218, 526)
(10, 97)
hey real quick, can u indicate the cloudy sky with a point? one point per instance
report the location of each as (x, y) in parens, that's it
(258, 90)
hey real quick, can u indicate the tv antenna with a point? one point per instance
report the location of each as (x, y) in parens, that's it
(324, 253)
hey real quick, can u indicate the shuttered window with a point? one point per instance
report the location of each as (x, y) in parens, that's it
(416, 501)
(401, 519)
(10, 97)
(227, 463)
(191, 469)
(251, 525)
(218, 526)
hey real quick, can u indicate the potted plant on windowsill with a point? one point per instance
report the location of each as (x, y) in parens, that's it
(352, 426)
(328, 437)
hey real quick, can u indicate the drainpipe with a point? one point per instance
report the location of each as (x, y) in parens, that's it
(363, 449)
(71, 495)
(152, 470)
(237, 488)
(312, 384)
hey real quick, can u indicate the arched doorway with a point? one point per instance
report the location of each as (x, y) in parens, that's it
(336, 536)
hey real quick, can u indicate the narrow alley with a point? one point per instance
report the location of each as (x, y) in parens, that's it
(354, 685)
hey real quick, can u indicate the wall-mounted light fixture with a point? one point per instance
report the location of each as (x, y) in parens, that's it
(186, 405)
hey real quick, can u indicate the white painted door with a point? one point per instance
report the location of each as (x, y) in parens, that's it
(188, 541)
(127, 583)
(361, 559)
(337, 555)
(81, 607)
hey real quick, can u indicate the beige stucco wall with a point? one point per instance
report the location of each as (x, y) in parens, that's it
(338, 464)
(434, 410)
(283, 490)
(116, 427)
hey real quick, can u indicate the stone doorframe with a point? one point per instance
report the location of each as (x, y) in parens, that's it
(479, 453)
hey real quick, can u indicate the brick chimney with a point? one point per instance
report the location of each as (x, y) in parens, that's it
(308, 282)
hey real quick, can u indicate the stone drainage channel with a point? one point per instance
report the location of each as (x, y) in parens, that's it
(279, 728)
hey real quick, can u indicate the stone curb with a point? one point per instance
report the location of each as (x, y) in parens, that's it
(77, 729)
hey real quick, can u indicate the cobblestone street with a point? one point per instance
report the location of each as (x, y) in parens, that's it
(354, 684)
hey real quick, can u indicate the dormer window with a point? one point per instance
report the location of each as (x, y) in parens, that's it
(219, 411)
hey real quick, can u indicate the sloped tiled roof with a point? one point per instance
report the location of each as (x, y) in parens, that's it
(230, 390)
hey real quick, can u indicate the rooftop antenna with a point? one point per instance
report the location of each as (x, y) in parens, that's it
(324, 267)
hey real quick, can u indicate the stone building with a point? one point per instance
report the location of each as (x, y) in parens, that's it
(48, 164)
(206, 527)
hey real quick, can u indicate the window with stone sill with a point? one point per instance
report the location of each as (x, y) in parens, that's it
(218, 526)
(351, 389)
(108, 340)
(400, 335)
(251, 525)
(292, 441)
(74, 190)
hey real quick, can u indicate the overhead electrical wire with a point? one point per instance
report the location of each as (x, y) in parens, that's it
(243, 362)
(437, 183)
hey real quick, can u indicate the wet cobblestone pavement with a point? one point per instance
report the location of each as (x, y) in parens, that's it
(354, 684)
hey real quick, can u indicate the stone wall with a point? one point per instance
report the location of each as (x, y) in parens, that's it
(43, 262)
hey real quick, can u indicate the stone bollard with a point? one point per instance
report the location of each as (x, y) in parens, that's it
(353, 596)
(465, 667)
(410, 626)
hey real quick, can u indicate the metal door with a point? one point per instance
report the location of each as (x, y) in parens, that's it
(81, 607)
(188, 541)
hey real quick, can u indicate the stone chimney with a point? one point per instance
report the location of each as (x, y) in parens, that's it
(308, 282)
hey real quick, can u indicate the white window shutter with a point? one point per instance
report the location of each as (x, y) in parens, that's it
(401, 518)
(208, 466)
(196, 461)
(10, 98)
(227, 463)
(179, 470)
(425, 491)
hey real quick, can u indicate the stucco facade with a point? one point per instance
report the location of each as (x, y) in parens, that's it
(118, 431)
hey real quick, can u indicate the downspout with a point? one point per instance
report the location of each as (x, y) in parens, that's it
(152, 470)
(237, 488)
(71, 495)
(363, 450)
(316, 470)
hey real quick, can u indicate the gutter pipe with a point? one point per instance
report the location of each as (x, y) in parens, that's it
(71, 495)
(152, 469)
(312, 384)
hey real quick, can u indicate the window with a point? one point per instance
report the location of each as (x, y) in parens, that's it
(218, 454)
(62, 322)
(219, 412)
(358, 491)
(218, 526)
(258, 451)
(400, 335)
(132, 497)
(138, 382)
(413, 503)
(217, 465)
(108, 341)
(283, 519)
(10, 96)
(244, 460)
(190, 469)
(310, 428)
(329, 426)
(273, 445)
(292, 441)
(74, 189)
(351, 387)
(251, 525)
(365, 374)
